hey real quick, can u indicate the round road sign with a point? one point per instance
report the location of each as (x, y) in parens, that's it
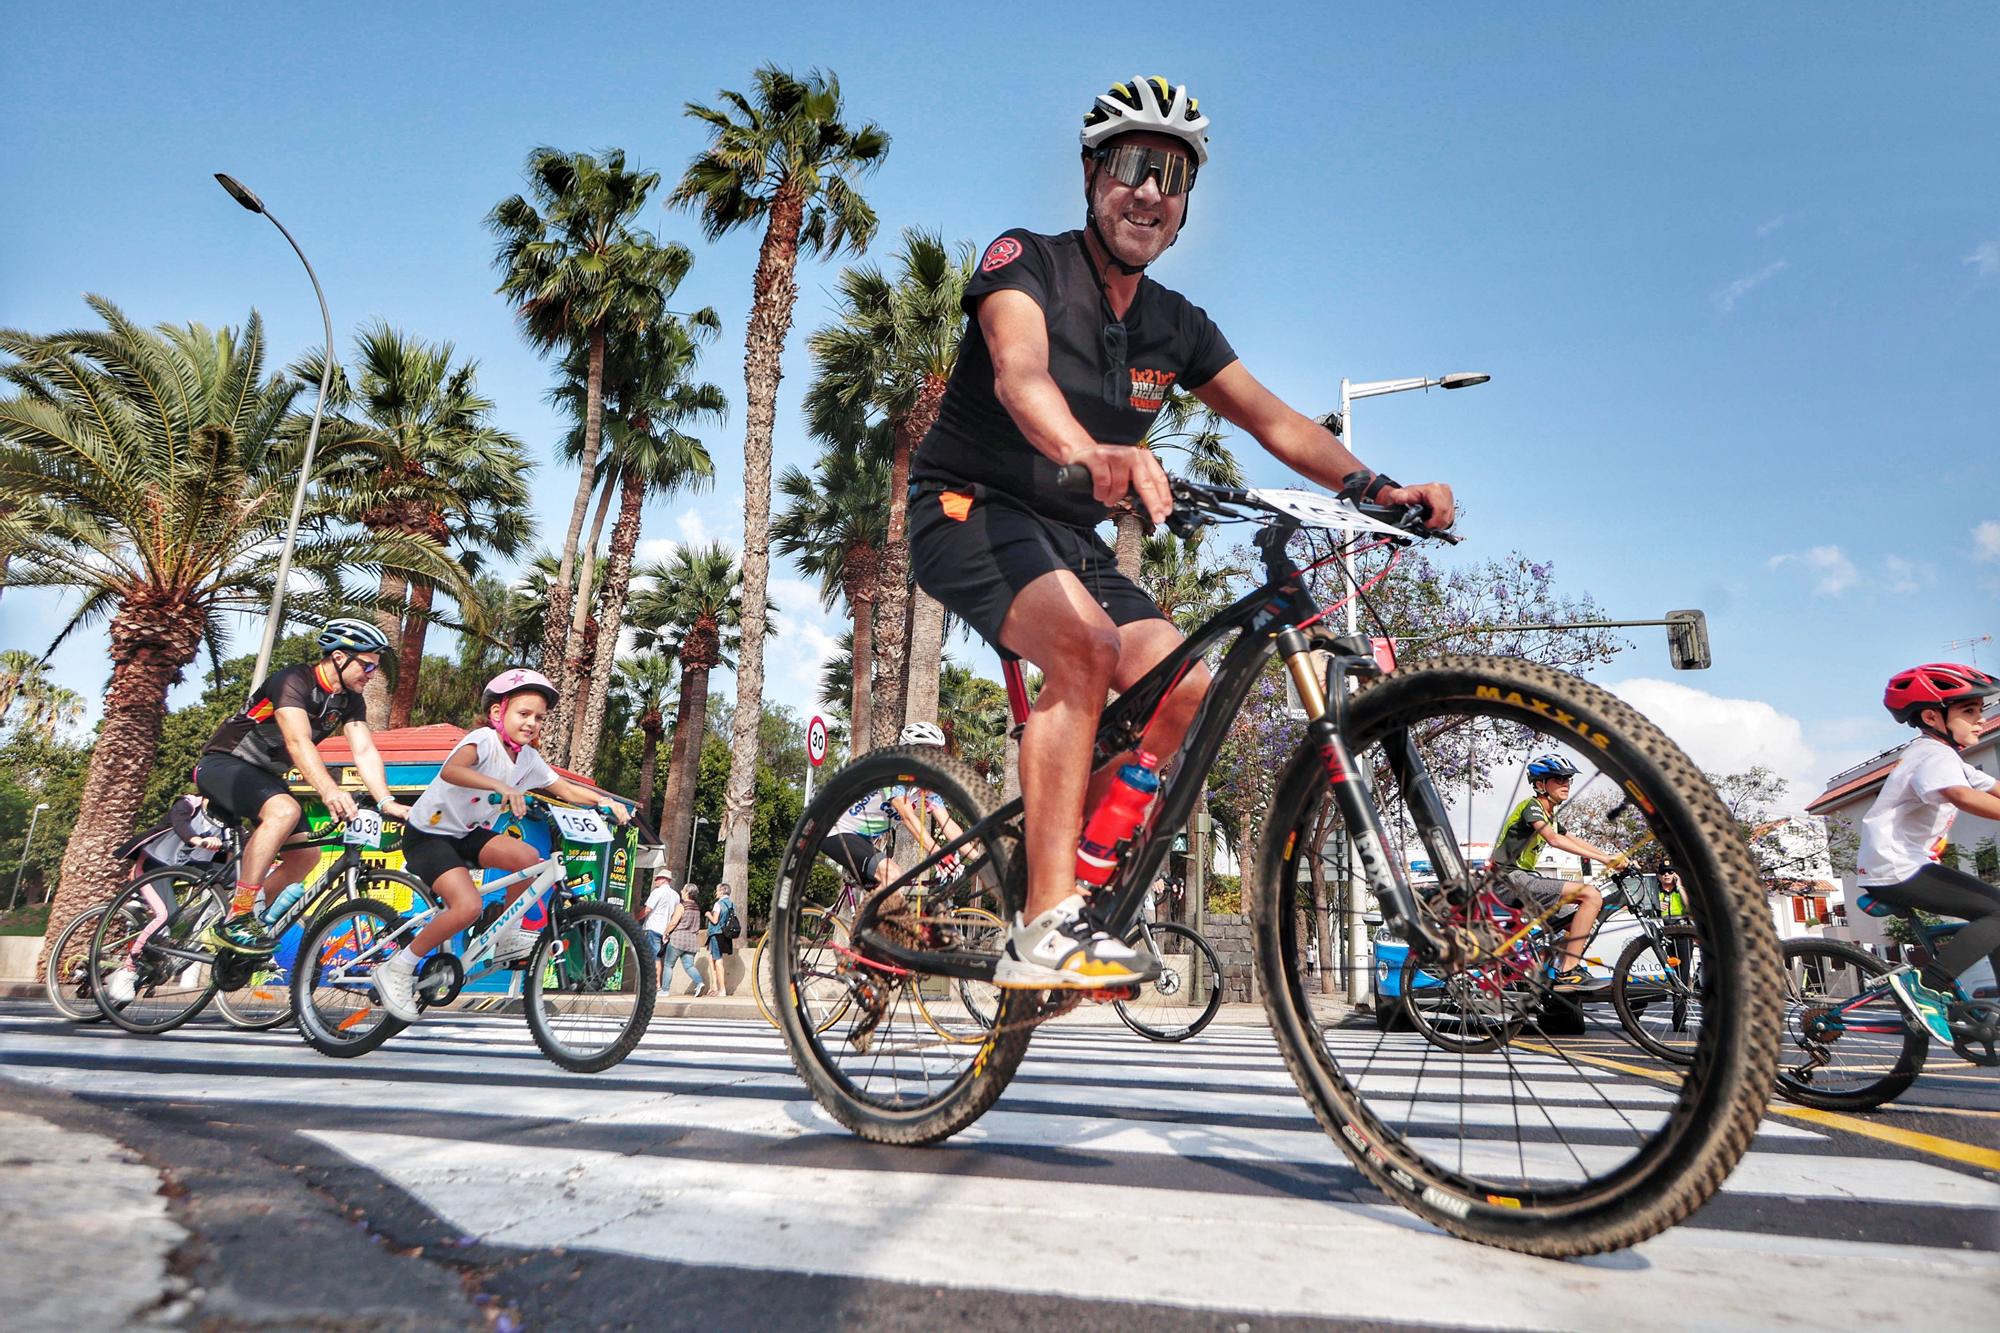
(816, 740)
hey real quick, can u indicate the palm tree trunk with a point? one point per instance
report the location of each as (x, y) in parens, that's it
(611, 613)
(555, 625)
(776, 292)
(150, 646)
(410, 654)
(389, 619)
(649, 758)
(926, 657)
(684, 768)
(1131, 541)
(562, 725)
(892, 647)
(861, 701)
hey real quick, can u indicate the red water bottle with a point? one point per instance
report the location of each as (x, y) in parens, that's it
(1116, 818)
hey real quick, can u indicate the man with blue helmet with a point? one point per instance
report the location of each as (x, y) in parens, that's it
(1518, 849)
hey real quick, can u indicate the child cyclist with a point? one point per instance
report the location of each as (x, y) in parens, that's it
(449, 830)
(1903, 833)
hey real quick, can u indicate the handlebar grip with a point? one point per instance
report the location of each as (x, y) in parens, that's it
(1074, 477)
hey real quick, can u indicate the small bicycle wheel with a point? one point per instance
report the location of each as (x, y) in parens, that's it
(333, 986)
(67, 981)
(1466, 1012)
(1656, 989)
(880, 1067)
(818, 989)
(1548, 1143)
(261, 1003)
(1846, 1046)
(590, 987)
(957, 1008)
(154, 927)
(1182, 1000)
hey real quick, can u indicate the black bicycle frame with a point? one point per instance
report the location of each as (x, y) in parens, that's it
(1265, 621)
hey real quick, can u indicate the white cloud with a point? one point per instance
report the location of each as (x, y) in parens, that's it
(1727, 298)
(1986, 540)
(1770, 225)
(808, 634)
(1985, 260)
(1836, 572)
(1731, 735)
(655, 548)
(1900, 575)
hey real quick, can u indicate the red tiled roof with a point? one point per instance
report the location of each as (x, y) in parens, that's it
(416, 745)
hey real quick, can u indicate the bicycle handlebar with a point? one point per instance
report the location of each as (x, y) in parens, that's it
(1191, 499)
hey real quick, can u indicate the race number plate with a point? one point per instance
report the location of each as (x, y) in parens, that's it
(364, 830)
(580, 825)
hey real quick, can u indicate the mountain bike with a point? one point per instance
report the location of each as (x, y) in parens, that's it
(587, 987)
(1847, 1044)
(1183, 998)
(158, 921)
(1491, 1146)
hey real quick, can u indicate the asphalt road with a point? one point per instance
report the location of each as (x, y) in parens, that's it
(455, 1179)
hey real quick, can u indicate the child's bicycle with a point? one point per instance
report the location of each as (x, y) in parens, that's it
(1847, 1044)
(1488, 1146)
(158, 922)
(586, 988)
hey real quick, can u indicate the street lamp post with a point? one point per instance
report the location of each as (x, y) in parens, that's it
(26, 843)
(692, 833)
(1357, 944)
(275, 616)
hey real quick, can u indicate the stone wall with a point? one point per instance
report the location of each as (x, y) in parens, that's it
(1229, 935)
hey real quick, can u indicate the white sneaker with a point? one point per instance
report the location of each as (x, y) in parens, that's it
(122, 985)
(396, 987)
(1062, 950)
(514, 942)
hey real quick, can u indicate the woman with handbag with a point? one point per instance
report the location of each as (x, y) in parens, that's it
(724, 926)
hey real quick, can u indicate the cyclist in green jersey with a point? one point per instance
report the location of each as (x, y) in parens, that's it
(1529, 826)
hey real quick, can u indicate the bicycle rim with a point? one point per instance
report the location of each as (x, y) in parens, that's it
(1181, 1001)
(333, 994)
(163, 910)
(590, 990)
(67, 979)
(957, 1009)
(881, 1066)
(1656, 993)
(1846, 1044)
(1558, 1141)
(816, 987)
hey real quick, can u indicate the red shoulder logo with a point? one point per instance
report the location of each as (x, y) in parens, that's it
(1000, 254)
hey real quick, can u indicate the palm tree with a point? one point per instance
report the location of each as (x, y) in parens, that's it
(46, 707)
(646, 678)
(578, 273)
(411, 450)
(654, 397)
(22, 675)
(694, 605)
(835, 527)
(785, 158)
(1181, 426)
(1178, 575)
(972, 710)
(151, 472)
(891, 351)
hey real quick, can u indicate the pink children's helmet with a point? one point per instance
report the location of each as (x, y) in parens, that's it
(514, 680)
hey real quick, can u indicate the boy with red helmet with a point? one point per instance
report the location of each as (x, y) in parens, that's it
(449, 832)
(1903, 833)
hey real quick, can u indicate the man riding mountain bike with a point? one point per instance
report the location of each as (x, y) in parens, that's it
(1068, 353)
(242, 768)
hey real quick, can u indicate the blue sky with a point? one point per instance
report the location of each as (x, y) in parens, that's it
(1735, 272)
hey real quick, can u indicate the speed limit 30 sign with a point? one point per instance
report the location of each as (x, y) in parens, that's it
(816, 740)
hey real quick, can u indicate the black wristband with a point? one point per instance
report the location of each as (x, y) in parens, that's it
(1365, 485)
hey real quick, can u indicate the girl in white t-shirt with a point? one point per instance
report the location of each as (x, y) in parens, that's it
(449, 831)
(1904, 832)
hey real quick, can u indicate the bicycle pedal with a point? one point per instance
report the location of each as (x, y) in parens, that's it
(1112, 994)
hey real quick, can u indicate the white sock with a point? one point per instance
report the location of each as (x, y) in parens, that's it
(405, 957)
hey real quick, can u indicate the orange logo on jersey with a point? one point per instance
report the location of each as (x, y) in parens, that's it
(1149, 388)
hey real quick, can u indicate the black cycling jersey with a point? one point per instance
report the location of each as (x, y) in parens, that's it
(253, 735)
(1167, 342)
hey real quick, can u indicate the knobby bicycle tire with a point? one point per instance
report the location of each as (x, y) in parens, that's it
(603, 949)
(1204, 960)
(345, 1021)
(265, 1001)
(66, 980)
(1901, 1061)
(1700, 1137)
(826, 927)
(196, 902)
(903, 1105)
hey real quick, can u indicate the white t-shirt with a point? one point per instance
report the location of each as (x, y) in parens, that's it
(661, 906)
(451, 811)
(1905, 829)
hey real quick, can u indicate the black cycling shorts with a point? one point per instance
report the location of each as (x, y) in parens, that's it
(428, 855)
(1949, 892)
(241, 787)
(974, 549)
(853, 853)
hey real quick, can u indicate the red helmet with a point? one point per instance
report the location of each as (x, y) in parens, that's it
(1934, 685)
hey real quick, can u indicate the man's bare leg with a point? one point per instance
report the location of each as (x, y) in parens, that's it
(1143, 645)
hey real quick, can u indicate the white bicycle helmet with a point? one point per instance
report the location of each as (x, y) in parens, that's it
(356, 636)
(922, 733)
(1147, 104)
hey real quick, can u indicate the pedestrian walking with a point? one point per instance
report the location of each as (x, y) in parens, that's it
(661, 905)
(684, 941)
(1312, 958)
(723, 927)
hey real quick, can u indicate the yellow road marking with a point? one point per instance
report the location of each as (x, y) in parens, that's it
(1935, 1145)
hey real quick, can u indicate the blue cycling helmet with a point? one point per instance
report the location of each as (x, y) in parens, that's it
(1550, 766)
(356, 636)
